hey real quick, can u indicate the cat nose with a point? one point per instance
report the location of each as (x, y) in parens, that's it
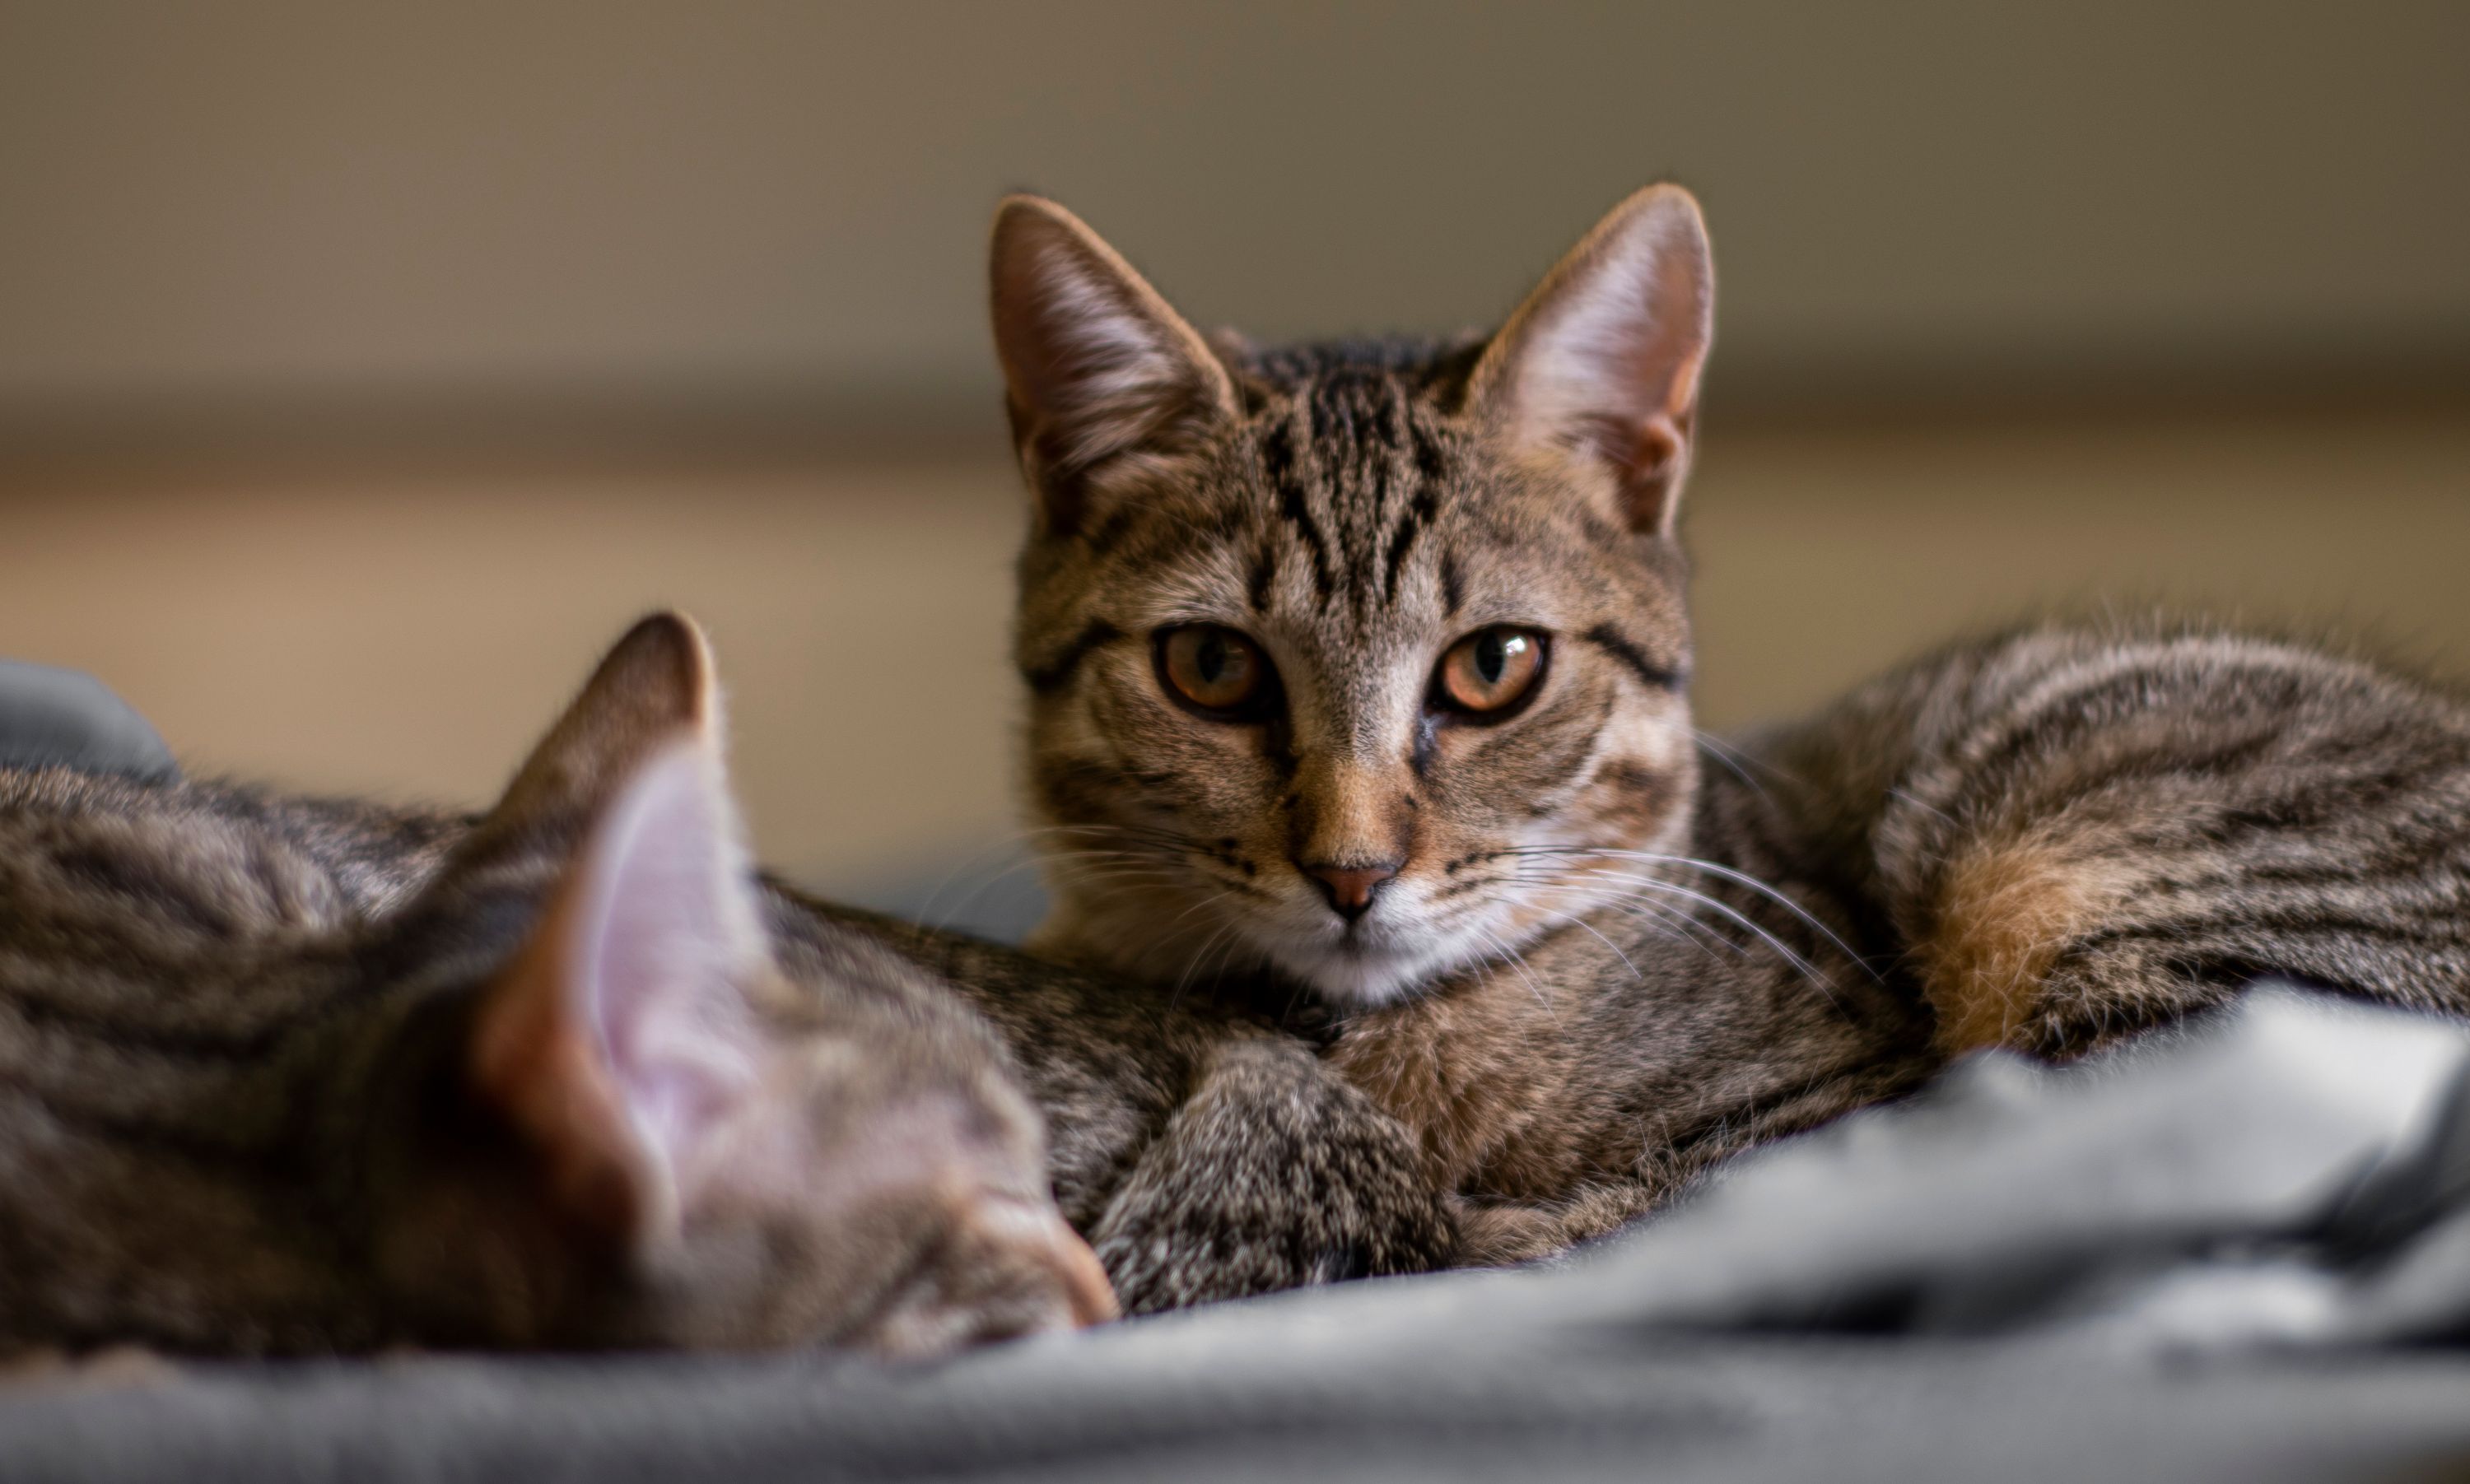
(1350, 888)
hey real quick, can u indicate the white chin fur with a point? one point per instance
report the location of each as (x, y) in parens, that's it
(1366, 979)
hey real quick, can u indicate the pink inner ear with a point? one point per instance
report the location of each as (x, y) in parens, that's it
(1098, 365)
(1607, 359)
(666, 935)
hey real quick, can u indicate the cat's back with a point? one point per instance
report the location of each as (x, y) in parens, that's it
(168, 952)
(138, 915)
(2080, 829)
(2078, 705)
(159, 942)
(157, 905)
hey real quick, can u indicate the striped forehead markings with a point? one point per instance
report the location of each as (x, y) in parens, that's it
(1294, 508)
(1363, 438)
(1418, 515)
(1621, 647)
(1277, 446)
(1265, 572)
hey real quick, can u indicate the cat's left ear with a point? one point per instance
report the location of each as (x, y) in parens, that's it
(1603, 359)
(1103, 376)
(620, 1043)
(618, 1040)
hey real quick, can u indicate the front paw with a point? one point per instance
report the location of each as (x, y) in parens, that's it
(1233, 1234)
(1273, 1175)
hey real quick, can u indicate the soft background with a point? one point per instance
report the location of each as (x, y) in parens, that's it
(362, 371)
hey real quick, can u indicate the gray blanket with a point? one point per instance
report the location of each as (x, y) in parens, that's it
(2239, 1251)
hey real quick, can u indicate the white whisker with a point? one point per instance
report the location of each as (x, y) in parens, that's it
(1726, 873)
(1782, 949)
(1579, 921)
(1518, 961)
(1730, 759)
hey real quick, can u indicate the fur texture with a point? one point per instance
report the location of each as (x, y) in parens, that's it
(288, 1077)
(1580, 949)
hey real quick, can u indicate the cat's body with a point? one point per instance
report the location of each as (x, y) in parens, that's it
(1364, 668)
(171, 992)
(283, 1075)
(1204, 1154)
(2044, 843)
(292, 1077)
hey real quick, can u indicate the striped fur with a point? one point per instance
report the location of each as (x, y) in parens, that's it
(1614, 951)
(285, 1076)
(244, 1107)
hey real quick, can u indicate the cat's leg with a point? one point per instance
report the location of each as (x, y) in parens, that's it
(2060, 936)
(2083, 834)
(1501, 1233)
(2019, 948)
(1272, 1174)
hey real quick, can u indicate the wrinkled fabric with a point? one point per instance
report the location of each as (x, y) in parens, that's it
(2239, 1250)
(2291, 1171)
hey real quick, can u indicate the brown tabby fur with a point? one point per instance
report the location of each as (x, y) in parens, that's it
(276, 1077)
(1614, 951)
(1204, 1154)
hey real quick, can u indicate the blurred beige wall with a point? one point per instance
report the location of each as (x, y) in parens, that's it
(407, 633)
(301, 212)
(363, 369)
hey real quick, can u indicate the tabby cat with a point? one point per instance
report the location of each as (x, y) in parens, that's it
(1361, 671)
(283, 1075)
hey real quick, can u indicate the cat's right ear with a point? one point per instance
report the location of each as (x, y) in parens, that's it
(618, 1044)
(656, 684)
(1602, 360)
(1104, 379)
(617, 1041)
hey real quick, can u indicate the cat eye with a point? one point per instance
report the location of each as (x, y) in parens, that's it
(1214, 670)
(1489, 672)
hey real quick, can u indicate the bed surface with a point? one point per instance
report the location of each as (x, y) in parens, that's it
(2239, 1251)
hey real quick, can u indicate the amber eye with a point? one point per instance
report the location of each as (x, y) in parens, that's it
(1490, 670)
(1212, 668)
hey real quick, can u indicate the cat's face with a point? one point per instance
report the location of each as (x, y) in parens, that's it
(1353, 660)
(636, 1129)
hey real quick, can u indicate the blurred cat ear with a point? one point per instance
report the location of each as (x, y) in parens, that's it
(1603, 357)
(618, 1041)
(657, 685)
(1102, 374)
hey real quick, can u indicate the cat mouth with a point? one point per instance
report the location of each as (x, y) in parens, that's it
(1364, 963)
(1364, 938)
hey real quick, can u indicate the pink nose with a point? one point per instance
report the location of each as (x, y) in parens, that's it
(1350, 889)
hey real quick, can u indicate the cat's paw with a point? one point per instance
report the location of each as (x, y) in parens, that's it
(1273, 1175)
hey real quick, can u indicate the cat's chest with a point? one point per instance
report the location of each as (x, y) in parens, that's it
(1603, 1047)
(1480, 1074)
